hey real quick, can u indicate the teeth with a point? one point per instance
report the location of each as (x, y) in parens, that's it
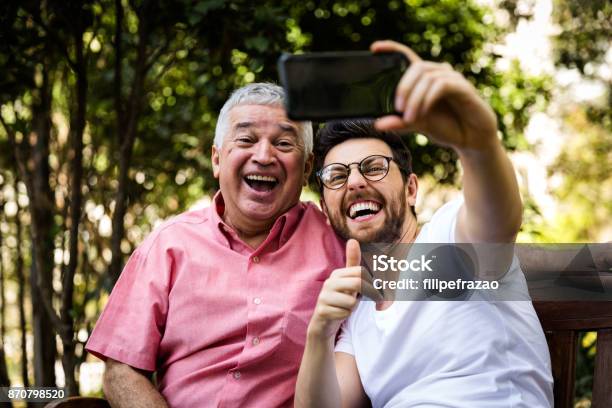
(364, 205)
(261, 178)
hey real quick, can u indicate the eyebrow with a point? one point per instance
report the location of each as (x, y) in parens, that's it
(285, 127)
(243, 125)
(288, 128)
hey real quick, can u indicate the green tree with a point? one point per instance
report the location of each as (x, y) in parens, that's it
(108, 110)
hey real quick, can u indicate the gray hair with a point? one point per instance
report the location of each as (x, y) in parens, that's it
(261, 93)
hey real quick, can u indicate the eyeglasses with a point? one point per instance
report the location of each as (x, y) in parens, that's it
(373, 168)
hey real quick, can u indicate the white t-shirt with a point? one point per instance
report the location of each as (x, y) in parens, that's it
(451, 353)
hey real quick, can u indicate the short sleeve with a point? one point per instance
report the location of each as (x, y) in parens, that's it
(131, 326)
(344, 343)
(441, 228)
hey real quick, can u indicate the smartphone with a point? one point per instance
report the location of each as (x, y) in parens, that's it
(340, 85)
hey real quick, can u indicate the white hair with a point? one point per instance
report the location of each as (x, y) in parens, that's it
(261, 93)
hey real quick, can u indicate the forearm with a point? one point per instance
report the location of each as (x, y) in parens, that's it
(493, 208)
(126, 387)
(317, 383)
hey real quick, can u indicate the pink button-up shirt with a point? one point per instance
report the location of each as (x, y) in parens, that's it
(222, 324)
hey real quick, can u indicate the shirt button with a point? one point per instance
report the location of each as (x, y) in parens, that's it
(255, 341)
(257, 301)
(255, 259)
(237, 375)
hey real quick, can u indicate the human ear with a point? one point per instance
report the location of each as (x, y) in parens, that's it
(214, 158)
(308, 165)
(412, 187)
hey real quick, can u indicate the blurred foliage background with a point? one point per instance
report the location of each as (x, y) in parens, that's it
(108, 110)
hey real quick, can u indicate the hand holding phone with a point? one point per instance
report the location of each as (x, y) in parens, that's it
(435, 100)
(340, 85)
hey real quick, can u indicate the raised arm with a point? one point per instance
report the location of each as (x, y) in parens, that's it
(440, 103)
(125, 386)
(325, 380)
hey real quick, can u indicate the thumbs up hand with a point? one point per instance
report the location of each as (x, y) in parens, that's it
(338, 296)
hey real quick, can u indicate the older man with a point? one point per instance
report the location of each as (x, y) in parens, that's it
(217, 301)
(421, 353)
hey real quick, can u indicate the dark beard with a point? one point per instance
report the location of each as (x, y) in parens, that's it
(390, 232)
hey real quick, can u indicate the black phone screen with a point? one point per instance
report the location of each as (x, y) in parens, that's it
(321, 86)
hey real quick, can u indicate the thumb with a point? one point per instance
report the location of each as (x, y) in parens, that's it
(353, 253)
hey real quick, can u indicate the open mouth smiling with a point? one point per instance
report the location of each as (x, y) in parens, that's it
(362, 210)
(262, 183)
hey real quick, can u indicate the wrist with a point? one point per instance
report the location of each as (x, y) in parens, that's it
(484, 148)
(316, 333)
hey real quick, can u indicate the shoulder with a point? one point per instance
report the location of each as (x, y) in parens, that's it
(313, 218)
(175, 229)
(311, 210)
(448, 212)
(441, 227)
(199, 216)
(316, 222)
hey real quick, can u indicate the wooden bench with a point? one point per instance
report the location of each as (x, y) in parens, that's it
(562, 321)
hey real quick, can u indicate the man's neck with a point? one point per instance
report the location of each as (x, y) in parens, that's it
(411, 231)
(252, 234)
(254, 241)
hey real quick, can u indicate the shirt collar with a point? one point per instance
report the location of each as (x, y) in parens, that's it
(280, 232)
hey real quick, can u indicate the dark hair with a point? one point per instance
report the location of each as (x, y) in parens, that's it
(336, 132)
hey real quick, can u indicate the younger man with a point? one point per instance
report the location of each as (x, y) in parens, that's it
(473, 354)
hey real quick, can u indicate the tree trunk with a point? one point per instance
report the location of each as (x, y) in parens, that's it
(21, 282)
(44, 337)
(127, 128)
(43, 233)
(4, 378)
(2, 277)
(69, 359)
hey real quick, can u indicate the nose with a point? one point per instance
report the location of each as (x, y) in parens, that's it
(355, 180)
(264, 153)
